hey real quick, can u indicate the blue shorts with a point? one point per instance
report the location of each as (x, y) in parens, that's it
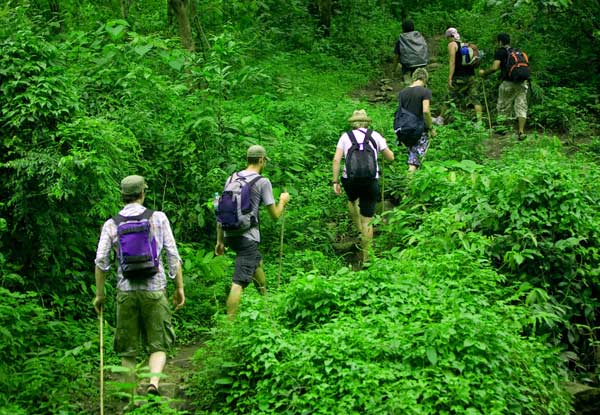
(366, 191)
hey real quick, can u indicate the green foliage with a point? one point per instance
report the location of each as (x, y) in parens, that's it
(37, 365)
(392, 340)
(537, 214)
(569, 110)
(484, 263)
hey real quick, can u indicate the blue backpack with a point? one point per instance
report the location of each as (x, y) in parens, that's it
(136, 246)
(234, 207)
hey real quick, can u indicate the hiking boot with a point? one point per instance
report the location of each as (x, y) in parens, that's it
(152, 390)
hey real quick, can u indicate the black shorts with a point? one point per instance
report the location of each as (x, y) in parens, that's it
(366, 191)
(247, 259)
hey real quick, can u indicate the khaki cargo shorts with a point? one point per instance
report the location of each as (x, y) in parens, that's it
(143, 317)
(512, 97)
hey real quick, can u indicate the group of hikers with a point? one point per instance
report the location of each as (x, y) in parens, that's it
(139, 235)
(464, 58)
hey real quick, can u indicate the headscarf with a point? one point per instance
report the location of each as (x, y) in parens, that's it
(452, 32)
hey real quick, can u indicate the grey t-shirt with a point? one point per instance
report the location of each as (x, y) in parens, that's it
(262, 194)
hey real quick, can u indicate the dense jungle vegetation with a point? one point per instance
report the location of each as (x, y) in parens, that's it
(484, 294)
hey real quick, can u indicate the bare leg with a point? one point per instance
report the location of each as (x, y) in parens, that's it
(233, 301)
(521, 124)
(366, 236)
(478, 112)
(355, 214)
(412, 168)
(157, 362)
(260, 280)
(129, 363)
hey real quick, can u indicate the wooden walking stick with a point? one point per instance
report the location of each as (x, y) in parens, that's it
(487, 109)
(101, 317)
(281, 248)
(382, 188)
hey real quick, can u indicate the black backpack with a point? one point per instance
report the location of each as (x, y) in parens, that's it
(517, 65)
(361, 159)
(407, 126)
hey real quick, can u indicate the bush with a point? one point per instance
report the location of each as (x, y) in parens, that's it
(423, 335)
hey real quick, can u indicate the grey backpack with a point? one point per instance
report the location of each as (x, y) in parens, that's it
(413, 49)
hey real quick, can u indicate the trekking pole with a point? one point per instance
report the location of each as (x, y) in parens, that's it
(281, 248)
(487, 109)
(281, 245)
(101, 317)
(382, 187)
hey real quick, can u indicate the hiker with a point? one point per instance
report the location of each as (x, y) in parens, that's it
(360, 176)
(462, 84)
(138, 237)
(411, 50)
(512, 92)
(248, 260)
(416, 98)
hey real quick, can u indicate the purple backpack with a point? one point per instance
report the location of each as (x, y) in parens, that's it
(136, 246)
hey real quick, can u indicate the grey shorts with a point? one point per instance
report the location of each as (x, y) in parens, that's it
(146, 316)
(247, 259)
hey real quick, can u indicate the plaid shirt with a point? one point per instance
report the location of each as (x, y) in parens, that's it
(164, 239)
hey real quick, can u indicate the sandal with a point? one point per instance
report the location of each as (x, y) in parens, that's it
(152, 390)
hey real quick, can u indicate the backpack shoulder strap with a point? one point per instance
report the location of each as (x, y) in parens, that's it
(146, 214)
(352, 137)
(254, 180)
(369, 138)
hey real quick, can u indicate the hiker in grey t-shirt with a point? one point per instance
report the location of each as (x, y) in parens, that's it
(248, 260)
(410, 50)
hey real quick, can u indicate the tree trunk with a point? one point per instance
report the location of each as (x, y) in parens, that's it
(180, 8)
(54, 7)
(125, 5)
(325, 11)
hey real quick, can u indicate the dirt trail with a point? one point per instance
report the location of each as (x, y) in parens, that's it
(172, 388)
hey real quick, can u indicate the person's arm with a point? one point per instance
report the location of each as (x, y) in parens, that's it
(220, 245)
(276, 210)
(388, 154)
(495, 66)
(179, 296)
(427, 117)
(102, 262)
(452, 61)
(427, 114)
(100, 297)
(337, 160)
